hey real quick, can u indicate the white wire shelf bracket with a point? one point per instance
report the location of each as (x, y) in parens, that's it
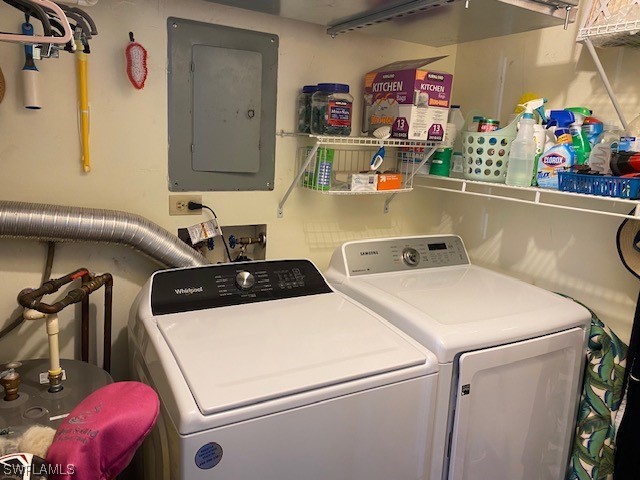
(533, 196)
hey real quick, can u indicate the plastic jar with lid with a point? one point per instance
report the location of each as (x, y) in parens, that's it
(331, 108)
(304, 108)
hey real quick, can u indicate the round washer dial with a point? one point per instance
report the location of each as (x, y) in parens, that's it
(410, 257)
(245, 280)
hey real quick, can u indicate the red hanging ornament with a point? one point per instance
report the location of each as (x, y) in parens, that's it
(136, 63)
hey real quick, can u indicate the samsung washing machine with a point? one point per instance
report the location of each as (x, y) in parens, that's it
(264, 372)
(511, 355)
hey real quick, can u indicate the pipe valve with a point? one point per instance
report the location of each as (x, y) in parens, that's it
(10, 381)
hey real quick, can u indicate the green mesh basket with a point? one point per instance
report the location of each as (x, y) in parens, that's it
(486, 153)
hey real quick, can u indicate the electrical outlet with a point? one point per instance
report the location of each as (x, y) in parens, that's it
(178, 204)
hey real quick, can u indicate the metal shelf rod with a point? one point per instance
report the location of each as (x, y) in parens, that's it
(413, 174)
(605, 80)
(296, 181)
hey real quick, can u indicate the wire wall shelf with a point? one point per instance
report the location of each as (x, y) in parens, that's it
(611, 23)
(612, 35)
(342, 165)
(359, 141)
(577, 202)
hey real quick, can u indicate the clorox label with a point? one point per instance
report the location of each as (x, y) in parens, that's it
(550, 164)
(553, 160)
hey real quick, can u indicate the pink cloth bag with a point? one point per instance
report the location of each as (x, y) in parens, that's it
(100, 436)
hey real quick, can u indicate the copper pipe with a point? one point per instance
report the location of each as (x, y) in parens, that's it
(29, 297)
(85, 324)
(27, 300)
(108, 309)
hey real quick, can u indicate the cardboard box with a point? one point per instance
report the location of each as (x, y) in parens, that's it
(364, 182)
(413, 101)
(389, 181)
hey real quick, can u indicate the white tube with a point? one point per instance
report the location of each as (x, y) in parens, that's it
(30, 83)
(31, 314)
(502, 77)
(54, 350)
(53, 329)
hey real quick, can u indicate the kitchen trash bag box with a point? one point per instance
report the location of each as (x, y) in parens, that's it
(414, 102)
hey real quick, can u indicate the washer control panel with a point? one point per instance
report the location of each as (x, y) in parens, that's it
(402, 254)
(213, 286)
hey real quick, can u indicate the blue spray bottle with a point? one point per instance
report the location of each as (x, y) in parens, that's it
(556, 119)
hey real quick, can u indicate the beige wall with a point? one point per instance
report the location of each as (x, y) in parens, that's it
(573, 253)
(39, 155)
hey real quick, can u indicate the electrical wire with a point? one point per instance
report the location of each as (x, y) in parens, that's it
(46, 275)
(200, 206)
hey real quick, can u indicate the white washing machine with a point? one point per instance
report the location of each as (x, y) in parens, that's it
(511, 355)
(266, 373)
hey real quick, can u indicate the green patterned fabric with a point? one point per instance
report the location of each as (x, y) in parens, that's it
(594, 446)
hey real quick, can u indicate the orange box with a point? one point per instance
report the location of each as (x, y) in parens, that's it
(389, 181)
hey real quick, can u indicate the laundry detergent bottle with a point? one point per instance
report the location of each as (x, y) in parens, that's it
(559, 158)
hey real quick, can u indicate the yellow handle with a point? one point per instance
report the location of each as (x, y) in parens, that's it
(83, 94)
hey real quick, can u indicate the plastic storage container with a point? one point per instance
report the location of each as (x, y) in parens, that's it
(601, 185)
(331, 109)
(304, 108)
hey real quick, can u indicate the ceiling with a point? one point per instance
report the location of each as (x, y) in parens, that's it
(427, 22)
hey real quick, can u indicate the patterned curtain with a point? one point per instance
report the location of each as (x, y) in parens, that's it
(594, 442)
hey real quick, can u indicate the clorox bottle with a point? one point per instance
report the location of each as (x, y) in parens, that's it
(559, 158)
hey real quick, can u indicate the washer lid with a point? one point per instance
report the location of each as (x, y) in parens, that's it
(244, 354)
(456, 309)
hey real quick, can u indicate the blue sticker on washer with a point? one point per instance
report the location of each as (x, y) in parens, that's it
(208, 456)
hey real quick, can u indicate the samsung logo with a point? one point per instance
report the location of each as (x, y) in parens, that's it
(370, 252)
(188, 291)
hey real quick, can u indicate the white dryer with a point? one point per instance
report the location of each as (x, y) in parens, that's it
(266, 373)
(511, 355)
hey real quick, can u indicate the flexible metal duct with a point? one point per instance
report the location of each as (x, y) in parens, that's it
(60, 223)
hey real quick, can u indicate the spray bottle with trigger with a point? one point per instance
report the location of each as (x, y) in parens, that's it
(579, 138)
(523, 149)
(560, 156)
(557, 119)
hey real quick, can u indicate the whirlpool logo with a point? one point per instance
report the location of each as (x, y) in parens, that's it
(369, 252)
(189, 291)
